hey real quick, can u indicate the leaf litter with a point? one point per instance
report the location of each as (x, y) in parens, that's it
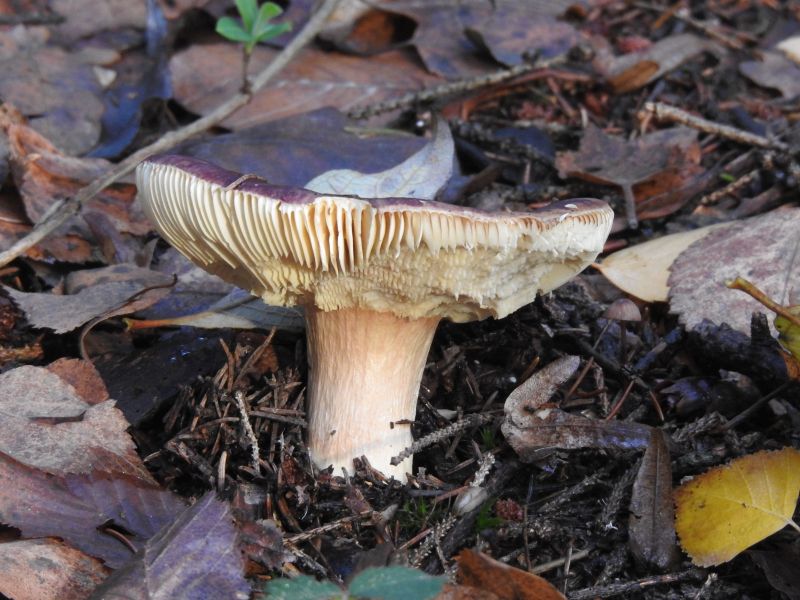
(614, 426)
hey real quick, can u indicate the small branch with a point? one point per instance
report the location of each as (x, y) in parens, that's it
(238, 395)
(61, 211)
(448, 89)
(664, 112)
(438, 436)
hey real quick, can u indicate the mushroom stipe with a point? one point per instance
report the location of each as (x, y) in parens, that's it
(375, 277)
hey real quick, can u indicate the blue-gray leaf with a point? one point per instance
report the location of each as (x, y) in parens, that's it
(395, 583)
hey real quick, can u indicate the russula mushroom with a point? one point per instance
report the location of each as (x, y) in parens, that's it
(374, 276)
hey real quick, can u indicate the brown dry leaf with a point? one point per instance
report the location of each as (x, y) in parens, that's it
(726, 510)
(303, 146)
(507, 583)
(204, 75)
(103, 298)
(82, 376)
(601, 158)
(643, 270)
(631, 71)
(516, 32)
(47, 569)
(532, 424)
(77, 508)
(58, 91)
(651, 527)
(774, 71)
(761, 248)
(45, 175)
(45, 424)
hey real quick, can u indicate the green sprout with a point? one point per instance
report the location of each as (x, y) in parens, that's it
(254, 25)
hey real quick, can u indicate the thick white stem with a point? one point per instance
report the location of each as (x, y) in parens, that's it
(364, 374)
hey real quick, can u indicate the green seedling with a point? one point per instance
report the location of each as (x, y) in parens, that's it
(254, 24)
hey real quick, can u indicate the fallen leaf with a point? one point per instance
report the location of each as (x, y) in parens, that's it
(517, 32)
(532, 424)
(58, 91)
(62, 313)
(47, 569)
(75, 508)
(44, 175)
(421, 175)
(643, 270)
(726, 510)
(83, 377)
(780, 567)
(44, 424)
(610, 160)
(507, 583)
(237, 310)
(774, 71)
(196, 556)
(698, 277)
(204, 75)
(636, 69)
(304, 146)
(651, 527)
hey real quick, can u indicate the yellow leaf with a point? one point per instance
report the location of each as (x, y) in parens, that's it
(643, 270)
(728, 509)
(788, 332)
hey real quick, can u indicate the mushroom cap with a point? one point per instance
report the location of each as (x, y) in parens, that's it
(410, 257)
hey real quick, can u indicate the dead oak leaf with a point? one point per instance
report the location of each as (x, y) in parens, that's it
(611, 160)
(728, 509)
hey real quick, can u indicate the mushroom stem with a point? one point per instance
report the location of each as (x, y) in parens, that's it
(365, 369)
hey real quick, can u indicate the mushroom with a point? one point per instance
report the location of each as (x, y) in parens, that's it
(374, 277)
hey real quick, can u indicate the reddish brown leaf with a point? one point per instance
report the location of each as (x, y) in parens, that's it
(44, 175)
(506, 583)
(47, 569)
(82, 376)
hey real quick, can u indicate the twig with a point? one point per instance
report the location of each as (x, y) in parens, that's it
(33, 18)
(438, 436)
(317, 531)
(448, 89)
(664, 112)
(731, 188)
(629, 587)
(238, 395)
(61, 211)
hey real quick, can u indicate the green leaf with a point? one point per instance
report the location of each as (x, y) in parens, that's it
(231, 30)
(395, 583)
(302, 588)
(272, 30)
(268, 10)
(248, 10)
